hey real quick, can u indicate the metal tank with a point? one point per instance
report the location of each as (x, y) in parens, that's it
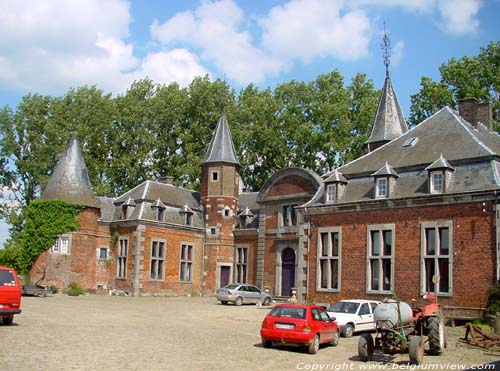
(386, 314)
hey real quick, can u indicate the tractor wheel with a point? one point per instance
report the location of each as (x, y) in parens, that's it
(416, 350)
(365, 347)
(437, 336)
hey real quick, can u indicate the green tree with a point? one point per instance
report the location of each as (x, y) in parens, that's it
(477, 76)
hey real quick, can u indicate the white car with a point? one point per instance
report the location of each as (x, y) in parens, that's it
(353, 315)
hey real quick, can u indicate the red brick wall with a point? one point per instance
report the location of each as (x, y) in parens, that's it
(290, 185)
(473, 251)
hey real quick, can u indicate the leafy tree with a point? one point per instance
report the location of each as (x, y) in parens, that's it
(477, 76)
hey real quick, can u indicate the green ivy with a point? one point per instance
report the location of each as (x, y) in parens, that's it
(45, 221)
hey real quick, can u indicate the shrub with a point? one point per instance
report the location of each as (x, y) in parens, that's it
(74, 289)
(494, 299)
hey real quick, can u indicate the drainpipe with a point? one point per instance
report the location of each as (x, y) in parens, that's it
(309, 224)
(497, 235)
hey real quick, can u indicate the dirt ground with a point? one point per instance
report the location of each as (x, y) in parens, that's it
(180, 333)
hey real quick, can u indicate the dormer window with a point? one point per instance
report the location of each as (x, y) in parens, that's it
(440, 172)
(159, 210)
(246, 218)
(385, 181)
(289, 215)
(126, 208)
(331, 193)
(334, 187)
(382, 188)
(188, 215)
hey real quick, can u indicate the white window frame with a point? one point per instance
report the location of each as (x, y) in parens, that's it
(379, 259)
(433, 176)
(289, 215)
(241, 264)
(157, 260)
(424, 256)
(215, 174)
(62, 245)
(186, 262)
(378, 187)
(329, 258)
(331, 193)
(122, 258)
(98, 253)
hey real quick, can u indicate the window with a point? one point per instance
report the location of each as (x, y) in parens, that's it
(365, 309)
(157, 260)
(215, 176)
(186, 262)
(213, 231)
(121, 263)
(410, 142)
(160, 214)
(379, 258)
(289, 215)
(241, 264)
(189, 219)
(382, 190)
(331, 193)
(61, 246)
(437, 184)
(103, 253)
(436, 255)
(329, 247)
(227, 211)
(124, 211)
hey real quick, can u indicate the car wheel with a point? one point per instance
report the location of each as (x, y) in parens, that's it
(223, 302)
(267, 300)
(238, 301)
(349, 330)
(336, 337)
(267, 343)
(7, 320)
(314, 346)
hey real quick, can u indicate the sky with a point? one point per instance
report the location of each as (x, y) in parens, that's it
(50, 46)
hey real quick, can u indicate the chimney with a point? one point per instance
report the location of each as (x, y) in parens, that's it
(166, 180)
(467, 109)
(485, 114)
(474, 112)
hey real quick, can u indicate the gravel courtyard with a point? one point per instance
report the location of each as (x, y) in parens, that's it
(178, 333)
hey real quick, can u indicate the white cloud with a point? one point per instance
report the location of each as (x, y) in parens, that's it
(214, 28)
(307, 29)
(397, 53)
(459, 16)
(49, 46)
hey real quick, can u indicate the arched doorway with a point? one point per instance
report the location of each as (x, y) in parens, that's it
(287, 271)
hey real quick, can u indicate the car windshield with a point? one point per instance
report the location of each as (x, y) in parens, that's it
(288, 312)
(344, 307)
(230, 287)
(6, 278)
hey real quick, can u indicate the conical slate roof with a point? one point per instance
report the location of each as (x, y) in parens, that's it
(221, 148)
(70, 180)
(389, 121)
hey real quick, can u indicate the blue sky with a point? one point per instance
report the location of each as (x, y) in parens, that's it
(49, 46)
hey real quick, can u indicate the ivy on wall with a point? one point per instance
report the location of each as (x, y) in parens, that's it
(44, 222)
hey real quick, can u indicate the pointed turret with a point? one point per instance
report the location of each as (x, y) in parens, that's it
(389, 121)
(221, 148)
(70, 180)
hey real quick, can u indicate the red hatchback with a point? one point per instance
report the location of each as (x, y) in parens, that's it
(308, 325)
(10, 295)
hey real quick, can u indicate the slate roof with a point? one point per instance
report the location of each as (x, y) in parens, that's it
(474, 153)
(144, 200)
(389, 121)
(221, 148)
(70, 181)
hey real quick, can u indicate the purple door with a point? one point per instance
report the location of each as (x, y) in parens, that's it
(224, 275)
(287, 271)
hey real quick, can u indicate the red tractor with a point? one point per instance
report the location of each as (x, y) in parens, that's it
(401, 329)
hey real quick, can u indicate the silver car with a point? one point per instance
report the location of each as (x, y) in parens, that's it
(242, 293)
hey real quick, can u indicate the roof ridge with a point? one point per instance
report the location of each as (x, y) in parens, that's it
(465, 125)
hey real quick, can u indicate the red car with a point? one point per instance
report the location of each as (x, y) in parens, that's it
(308, 325)
(10, 295)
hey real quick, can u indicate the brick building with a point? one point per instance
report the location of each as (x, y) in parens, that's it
(417, 213)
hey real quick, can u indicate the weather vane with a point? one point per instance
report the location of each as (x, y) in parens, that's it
(386, 48)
